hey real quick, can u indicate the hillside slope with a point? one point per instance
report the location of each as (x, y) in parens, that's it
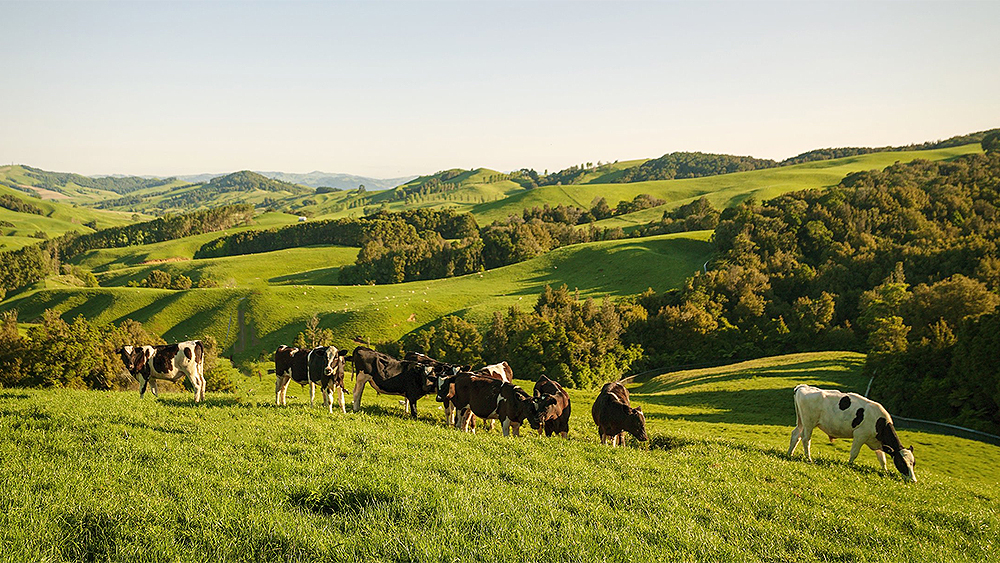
(275, 314)
(239, 479)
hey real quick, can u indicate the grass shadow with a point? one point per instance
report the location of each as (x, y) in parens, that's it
(339, 499)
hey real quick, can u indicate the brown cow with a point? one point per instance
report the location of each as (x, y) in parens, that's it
(614, 415)
(553, 402)
(489, 398)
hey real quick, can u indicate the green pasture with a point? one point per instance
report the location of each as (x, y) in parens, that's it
(105, 476)
(723, 190)
(106, 259)
(273, 315)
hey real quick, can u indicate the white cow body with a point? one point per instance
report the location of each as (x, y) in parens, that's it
(848, 415)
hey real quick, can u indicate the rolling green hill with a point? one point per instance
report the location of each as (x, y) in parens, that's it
(57, 218)
(109, 476)
(274, 315)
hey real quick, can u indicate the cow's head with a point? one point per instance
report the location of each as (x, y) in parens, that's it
(444, 387)
(133, 357)
(332, 359)
(636, 424)
(543, 408)
(428, 379)
(903, 460)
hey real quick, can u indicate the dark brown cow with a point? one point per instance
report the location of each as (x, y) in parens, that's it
(489, 399)
(390, 376)
(614, 415)
(553, 402)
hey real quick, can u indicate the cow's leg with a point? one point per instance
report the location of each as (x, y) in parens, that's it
(541, 430)
(281, 390)
(564, 435)
(855, 449)
(881, 459)
(621, 439)
(343, 409)
(505, 425)
(312, 394)
(516, 429)
(807, 442)
(467, 421)
(142, 388)
(152, 387)
(413, 407)
(796, 435)
(449, 411)
(491, 424)
(359, 387)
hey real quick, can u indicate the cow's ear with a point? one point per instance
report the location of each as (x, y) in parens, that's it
(342, 352)
(911, 449)
(888, 449)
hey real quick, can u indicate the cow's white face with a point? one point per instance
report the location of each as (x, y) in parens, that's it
(905, 463)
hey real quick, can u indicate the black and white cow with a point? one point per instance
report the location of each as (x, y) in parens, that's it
(849, 415)
(322, 366)
(170, 362)
(553, 401)
(441, 371)
(390, 376)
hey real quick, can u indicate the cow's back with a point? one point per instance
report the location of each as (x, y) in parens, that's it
(836, 413)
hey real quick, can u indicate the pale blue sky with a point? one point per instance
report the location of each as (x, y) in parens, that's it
(387, 89)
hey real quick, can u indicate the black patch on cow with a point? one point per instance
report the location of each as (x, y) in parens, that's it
(860, 416)
(199, 352)
(163, 360)
(187, 353)
(845, 403)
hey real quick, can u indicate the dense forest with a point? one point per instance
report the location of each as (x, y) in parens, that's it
(692, 165)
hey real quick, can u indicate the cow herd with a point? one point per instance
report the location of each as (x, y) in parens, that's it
(488, 393)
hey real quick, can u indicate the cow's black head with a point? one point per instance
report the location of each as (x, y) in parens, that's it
(904, 461)
(331, 359)
(133, 357)
(542, 409)
(444, 387)
(428, 379)
(636, 425)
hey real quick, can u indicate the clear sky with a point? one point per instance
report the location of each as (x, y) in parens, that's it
(388, 89)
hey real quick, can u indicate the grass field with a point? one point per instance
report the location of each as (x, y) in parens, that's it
(105, 476)
(56, 219)
(275, 314)
(723, 191)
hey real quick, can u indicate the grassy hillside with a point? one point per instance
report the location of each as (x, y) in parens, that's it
(105, 476)
(722, 191)
(274, 315)
(57, 219)
(105, 259)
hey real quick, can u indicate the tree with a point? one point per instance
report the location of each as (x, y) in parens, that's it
(991, 141)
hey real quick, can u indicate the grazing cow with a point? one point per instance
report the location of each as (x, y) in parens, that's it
(441, 371)
(170, 362)
(553, 402)
(614, 415)
(390, 376)
(849, 415)
(499, 371)
(489, 399)
(323, 366)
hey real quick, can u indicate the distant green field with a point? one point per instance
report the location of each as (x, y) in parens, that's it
(304, 265)
(107, 476)
(275, 314)
(723, 191)
(56, 219)
(105, 259)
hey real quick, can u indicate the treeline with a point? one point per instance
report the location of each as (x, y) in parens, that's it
(30, 264)
(17, 204)
(599, 209)
(699, 215)
(83, 355)
(692, 165)
(574, 341)
(56, 181)
(831, 153)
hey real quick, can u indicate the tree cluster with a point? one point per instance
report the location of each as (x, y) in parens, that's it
(692, 165)
(17, 204)
(698, 215)
(831, 153)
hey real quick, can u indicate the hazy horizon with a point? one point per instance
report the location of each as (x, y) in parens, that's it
(388, 90)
